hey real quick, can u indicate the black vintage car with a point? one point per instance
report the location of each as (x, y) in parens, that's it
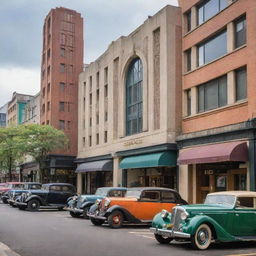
(13, 194)
(52, 195)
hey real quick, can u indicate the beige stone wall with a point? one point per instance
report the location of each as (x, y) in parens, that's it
(160, 37)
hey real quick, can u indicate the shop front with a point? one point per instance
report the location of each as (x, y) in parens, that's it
(94, 174)
(216, 167)
(150, 170)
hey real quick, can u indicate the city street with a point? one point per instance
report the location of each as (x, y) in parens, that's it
(55, 233)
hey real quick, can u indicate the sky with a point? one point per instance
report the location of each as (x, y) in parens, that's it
(21, 23)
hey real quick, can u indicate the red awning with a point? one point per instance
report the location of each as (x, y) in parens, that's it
(224, 152)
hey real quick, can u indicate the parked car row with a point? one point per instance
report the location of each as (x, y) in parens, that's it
(224, 216)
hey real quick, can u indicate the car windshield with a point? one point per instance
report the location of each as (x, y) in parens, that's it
(101, 192)
(133, 193)
(45, 187)
(32, 186)
(220, 199)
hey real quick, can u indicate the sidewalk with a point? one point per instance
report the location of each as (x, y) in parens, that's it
(6, 251)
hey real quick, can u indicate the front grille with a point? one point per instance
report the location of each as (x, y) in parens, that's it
(79, 202)
(176, 220)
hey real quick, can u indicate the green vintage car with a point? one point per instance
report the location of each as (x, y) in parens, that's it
(224, 217)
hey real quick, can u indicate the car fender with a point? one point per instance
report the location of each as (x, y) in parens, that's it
(127, 215)
(87, 204)
(221, 234)
(42, 202)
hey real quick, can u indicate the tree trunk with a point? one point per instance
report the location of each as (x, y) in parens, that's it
(10, 169)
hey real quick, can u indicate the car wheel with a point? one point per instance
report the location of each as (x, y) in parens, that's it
(4, 200)
(74, 215)
(33, 205)
(163, 239)
(202, 238)
(115, 219)
(85, 211)
(96, 222)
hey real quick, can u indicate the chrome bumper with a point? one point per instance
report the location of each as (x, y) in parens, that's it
(169, 233)
(74, 210)
(94, 216)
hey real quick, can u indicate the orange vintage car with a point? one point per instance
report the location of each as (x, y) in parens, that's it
(139, 205)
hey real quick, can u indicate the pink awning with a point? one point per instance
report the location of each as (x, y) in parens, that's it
(224, 152)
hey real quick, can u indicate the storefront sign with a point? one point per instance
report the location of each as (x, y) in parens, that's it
(208, 172)
(132, 142)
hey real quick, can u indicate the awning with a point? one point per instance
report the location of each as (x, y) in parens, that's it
(167, 158)
(225, 152)
(102, 165)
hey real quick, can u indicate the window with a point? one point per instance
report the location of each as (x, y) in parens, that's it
(62, 106)
(188, 60)
(43, 92)
(62, 68)
(241, 83)
(210, 8)
(188, 21)
(63, 39)
(98, 79)
(212, 94)
(106, 116)
(188, 96)
(106, 91)
(62, 52)
(48, 87)
(43, 108)
(48, 70)
(90, 122)
(48, 106)
(98, 95)
(90, 83)
(212, 49)
(97, 138)
(48, 53)
(90, 141)
(90, 98)
(61, 124)
(97, 118)
(150, 196)
(134, 97)
(68, 125)
(83, 141)
(105, 137)
(168, 196)
(62, 86)
(240, 32)
(106, 75)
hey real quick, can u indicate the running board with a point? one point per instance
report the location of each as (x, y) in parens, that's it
(246, 238)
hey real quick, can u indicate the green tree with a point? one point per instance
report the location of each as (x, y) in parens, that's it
(40, 140)
(11, 148)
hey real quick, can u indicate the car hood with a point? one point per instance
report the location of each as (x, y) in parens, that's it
(200, 208)
(90, 197)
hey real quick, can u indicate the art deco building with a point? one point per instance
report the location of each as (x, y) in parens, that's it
(62, 61)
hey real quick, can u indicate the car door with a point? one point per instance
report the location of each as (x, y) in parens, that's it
(54, 195)
(244, 222)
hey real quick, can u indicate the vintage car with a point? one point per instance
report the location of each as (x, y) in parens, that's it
(79, 205)
(224, 217)
(52, 195)
(13, 194)
(9, 186)
(138, 206)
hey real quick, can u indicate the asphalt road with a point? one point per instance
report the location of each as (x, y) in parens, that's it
(55, 233)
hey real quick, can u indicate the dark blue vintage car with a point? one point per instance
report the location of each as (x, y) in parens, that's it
(52, 195)
(79, 205)
(13, 194)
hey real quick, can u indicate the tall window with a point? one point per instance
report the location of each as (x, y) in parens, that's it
(212, 94)
(241, 83)
(210, 8)
(188, 21)
(240, 32)
(134, 97)
(212, 49)
(188, 97)
(188, 60)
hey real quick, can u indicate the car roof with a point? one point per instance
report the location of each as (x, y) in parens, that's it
(35, 183)
(15, 182)
(58, 184)
(152, 188)
(117, 188)
(236, 193)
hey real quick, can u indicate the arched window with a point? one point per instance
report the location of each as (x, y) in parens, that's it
(134, 97)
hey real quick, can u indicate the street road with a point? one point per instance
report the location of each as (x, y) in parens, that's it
(55, 233)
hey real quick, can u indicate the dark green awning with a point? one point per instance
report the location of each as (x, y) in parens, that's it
(167, 158)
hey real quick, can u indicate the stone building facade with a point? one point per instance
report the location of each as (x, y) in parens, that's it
(129, 114)
(217, 145)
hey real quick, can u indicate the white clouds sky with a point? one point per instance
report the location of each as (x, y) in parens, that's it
(21, 23)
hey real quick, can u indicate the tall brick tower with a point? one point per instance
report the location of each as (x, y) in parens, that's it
(62, 61)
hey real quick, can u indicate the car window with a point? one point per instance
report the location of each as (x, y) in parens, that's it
(169, 196)
(35, 186)
(150, 196)
(45, 187)
(245, 202)
(116, 193)
(67, 188)
(55, 188)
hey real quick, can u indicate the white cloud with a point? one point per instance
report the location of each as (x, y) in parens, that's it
(25, 81)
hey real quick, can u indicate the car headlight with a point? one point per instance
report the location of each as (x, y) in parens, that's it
(184, 215)
(107, 202)
(97, 201)
(164, 214)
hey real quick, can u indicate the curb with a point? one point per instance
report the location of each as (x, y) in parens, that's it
(6, 251)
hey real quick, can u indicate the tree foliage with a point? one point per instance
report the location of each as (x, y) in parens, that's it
(34, 140)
